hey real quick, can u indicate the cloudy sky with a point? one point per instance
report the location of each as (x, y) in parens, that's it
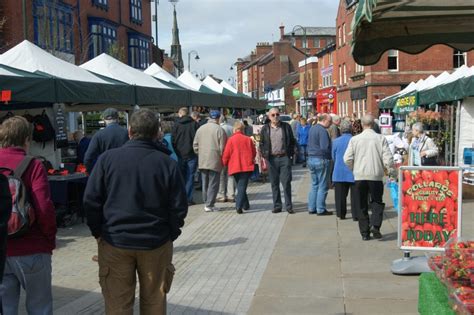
(223, 30)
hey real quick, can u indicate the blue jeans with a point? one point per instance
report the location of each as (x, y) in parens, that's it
(241, 198)
(188, 168)
(33, 274)
(319, 184)
(302, 153)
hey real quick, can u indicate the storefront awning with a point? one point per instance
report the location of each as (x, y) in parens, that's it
(410, 26)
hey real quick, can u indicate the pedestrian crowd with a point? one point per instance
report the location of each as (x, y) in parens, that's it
(142, 181)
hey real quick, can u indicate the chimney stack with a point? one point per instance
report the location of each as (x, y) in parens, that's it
(282, 31)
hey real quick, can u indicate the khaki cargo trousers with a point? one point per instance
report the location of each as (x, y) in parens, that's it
(117, 277)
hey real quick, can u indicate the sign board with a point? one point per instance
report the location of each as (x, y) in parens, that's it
(6, 96)
(406, 104)
(430, 201)
(296, 93)
(61, 133)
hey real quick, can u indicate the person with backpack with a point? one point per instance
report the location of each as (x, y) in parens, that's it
(111, 137)
(32, 224)
(5, 210)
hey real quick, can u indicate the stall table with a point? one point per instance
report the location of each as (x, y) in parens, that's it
(67, 191)
(433, 296)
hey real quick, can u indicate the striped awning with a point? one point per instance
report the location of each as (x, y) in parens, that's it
(410, 26)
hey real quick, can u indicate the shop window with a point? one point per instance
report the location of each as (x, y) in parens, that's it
(101, 3)
(393, 60)
(364, 106)
(52, 22)
(459, 59)
(138, 51)
(136, 11)
(103, 36)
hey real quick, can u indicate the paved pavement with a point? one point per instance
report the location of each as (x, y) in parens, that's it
(260, 263)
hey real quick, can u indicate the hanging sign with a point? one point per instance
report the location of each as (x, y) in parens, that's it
(406, 104)
(61, 134)
(430, 207)
(296, 93)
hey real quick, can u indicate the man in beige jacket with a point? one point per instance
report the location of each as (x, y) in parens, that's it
(367, 155)
(209, 144)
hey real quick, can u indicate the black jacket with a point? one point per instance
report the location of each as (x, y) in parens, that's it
(5, 210)
(182, 137)
(111, 137)
(288, 140)
(135, 197)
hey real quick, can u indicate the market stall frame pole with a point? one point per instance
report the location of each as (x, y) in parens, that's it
(458, 130)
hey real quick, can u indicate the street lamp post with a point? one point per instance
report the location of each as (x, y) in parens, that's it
(305, 60)
(189, 58)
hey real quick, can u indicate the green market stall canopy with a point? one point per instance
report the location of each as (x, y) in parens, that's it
(410, 26)
(29, 74)
(443, 88)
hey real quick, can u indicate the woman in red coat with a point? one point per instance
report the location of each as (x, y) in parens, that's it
(239, 155)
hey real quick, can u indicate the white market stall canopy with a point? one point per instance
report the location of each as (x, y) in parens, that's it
(157, 72)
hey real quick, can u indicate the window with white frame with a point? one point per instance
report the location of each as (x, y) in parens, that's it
(330, 59)
(347, 108)
(344, 33)
(339, 35)
(359, 68)
(316, 43)
(359, 109)
(345, 73)
(304, 43)
(340, 75)
(354, 107)
(364, 106)
(459, 59)
(392, 60)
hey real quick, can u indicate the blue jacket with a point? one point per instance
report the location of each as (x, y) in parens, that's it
(169, 146)
(302, 133)
(341, 172)
(319, 143)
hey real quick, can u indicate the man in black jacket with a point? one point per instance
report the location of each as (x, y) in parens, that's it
(112, 136)
(5, 211)
(278, 146)
(182, 138)
(135, 203)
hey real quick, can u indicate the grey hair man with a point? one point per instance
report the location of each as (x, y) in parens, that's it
(111, 137)
(209, 144)
(278, 146)
(334, 130)
(368, 155)
(227, 185)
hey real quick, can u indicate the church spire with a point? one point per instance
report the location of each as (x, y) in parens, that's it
(176, 54)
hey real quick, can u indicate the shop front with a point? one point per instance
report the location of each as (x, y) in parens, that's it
(326, 100)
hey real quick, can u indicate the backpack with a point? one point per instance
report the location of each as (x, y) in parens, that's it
(22, 215)
(43, 131)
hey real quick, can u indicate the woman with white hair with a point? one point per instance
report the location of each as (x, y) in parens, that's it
(423, 150)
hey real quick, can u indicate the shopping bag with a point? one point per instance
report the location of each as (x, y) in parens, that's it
(393, 188)
(264, 165)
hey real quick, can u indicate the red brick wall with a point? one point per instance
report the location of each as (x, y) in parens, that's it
(380, 81)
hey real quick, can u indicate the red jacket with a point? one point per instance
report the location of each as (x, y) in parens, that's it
(239, 154)
(41, 238)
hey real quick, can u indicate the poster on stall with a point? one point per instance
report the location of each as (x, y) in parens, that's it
(429, 207)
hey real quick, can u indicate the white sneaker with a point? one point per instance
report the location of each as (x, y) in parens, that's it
(208, 209)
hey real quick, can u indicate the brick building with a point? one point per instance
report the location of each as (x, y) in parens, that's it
(259, 72)
(79, 30)
(308, 72)
(359, 88)
(326, 96)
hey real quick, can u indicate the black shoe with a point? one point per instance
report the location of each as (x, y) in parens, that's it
(276, 210)
(325, 213)
(355, 219)
(376, 233)
(342, 217)
(191, 203)
(290, 211)
(310, 212)
(366, 238)
(239, 211)
(304, 165)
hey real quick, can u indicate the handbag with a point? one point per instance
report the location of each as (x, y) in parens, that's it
(428, 161)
